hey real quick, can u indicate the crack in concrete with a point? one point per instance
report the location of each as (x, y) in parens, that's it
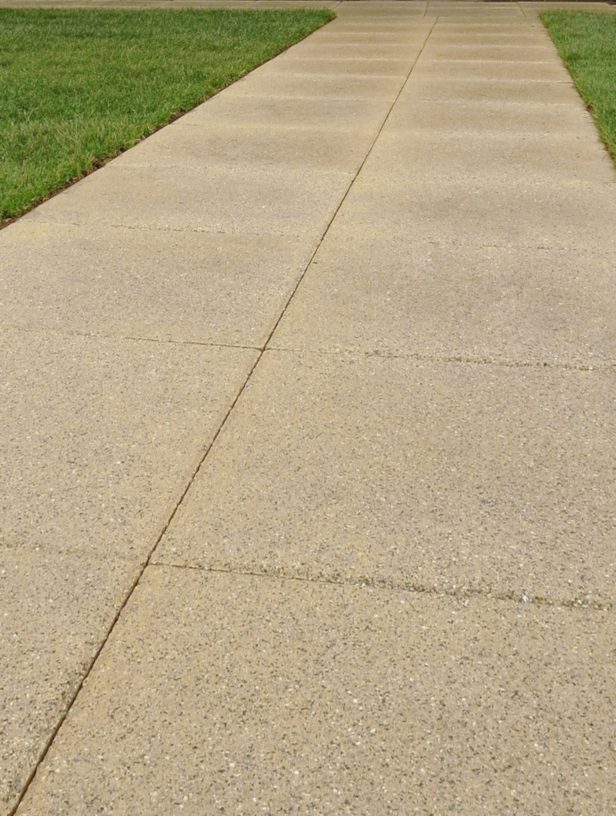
(465, 592)
(126, 337)
(453, 358)
(180, 230)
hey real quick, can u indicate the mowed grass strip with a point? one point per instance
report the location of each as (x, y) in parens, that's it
(586, 43)
(79, 86)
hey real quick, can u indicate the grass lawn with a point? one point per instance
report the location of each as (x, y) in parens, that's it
(79, 86)
(587, 44)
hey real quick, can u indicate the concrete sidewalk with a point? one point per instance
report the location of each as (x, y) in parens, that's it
(308, 410)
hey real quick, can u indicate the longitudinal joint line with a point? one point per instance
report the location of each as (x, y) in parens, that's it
(353, 180)
(209, 447)
(127, 598)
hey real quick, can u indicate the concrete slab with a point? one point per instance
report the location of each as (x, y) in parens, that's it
(397, 296)
(208, 144)
(483, 211)
(405, 25)
(486, 25)
(521, 54)
(484, 118)
(387, 466)
(406, 17)
(395, 10)
(485, 90)
(195, 287)
(422, 474)
(56, 610)
(222, 198)
(236, 693)
(528, 159)
(327, 114)
(103, 435)
(489, 39)
(494, 12)
(274, 82)
(509, 14)
(337, 35)
(314, 49)
(543, 72)
(347, 67)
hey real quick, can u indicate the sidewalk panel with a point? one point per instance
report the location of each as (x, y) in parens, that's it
(239, 694)
(423, 474)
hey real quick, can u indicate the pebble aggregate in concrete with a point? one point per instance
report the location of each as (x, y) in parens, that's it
(237, 694)
(240, 694)
(55, 610)
(443, 301)
(157, 285)
(102, 434)
(428, 474)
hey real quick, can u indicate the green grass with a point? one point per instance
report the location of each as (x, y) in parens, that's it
(79, 86)
(587, 44)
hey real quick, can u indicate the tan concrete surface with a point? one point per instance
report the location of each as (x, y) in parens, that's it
(464, 446)
(337, 36)
(352, 66)
(503, 70)
(356, 115)
(519, 54)
(240, 694)
(528, 159)
(486, 90)
(208, 144)
(320, 49)
(492, 303)
(481, 211)
(186, 287)
(489, 39)
(102, 434)
(277, 83)
(56, 610)
(410, 473)
(226, 199)
(98, 439)
(506, 118)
